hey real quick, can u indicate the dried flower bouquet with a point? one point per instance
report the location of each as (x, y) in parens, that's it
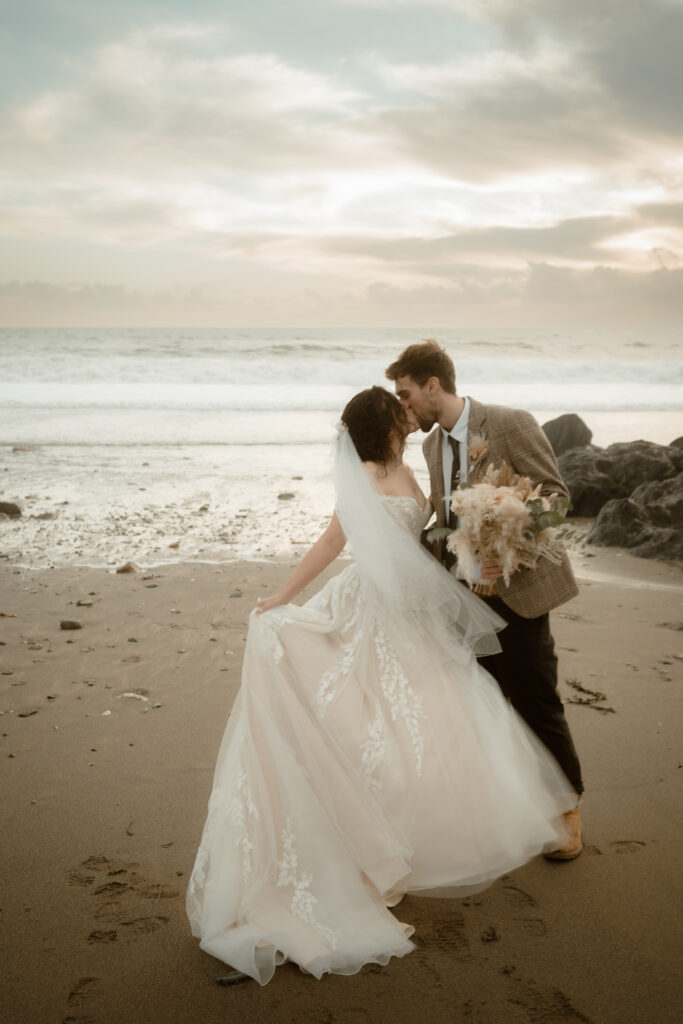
(503, 518)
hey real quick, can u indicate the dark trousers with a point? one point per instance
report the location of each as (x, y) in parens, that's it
(526, 671)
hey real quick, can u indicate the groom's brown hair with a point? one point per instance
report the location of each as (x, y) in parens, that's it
(422, 361)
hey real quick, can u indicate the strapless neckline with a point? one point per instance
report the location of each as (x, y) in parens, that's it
(407, 497)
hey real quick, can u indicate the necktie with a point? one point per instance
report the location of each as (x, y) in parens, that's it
(455, 448)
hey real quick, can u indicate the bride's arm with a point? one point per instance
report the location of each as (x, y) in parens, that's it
(323, 552)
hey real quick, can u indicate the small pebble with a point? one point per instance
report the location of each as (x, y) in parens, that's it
(133, 640)
(105, 714)
(27, 714)
(70, 624)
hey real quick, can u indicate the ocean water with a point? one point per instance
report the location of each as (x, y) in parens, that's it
(134, 439)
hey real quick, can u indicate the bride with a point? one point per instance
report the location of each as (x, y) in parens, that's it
(367, 754)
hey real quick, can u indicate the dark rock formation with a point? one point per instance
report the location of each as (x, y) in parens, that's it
(567, 432)
(595, 476)
(637, 462)
(8, 508)
(663, 500)
(649, 523)
(587, 474)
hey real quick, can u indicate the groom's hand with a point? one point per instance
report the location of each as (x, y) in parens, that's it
(490, 572)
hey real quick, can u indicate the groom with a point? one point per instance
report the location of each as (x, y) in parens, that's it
(468, 432)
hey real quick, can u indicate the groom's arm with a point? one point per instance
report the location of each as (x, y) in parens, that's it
(530, 453)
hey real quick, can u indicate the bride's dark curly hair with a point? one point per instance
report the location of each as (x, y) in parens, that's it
(372, 417)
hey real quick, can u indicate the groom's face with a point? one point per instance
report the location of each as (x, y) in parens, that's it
(418, 399)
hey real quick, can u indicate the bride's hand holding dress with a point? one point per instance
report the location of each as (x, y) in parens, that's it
(328, 546)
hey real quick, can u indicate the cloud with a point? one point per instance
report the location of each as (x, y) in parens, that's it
(373, 179)
(89, 297)
(150, 103)
(610, 294)
(581, 240)
(542, 296)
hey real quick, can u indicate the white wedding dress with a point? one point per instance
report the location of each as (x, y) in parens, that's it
(367, 755)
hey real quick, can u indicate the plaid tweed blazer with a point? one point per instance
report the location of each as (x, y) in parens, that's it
(514, 436)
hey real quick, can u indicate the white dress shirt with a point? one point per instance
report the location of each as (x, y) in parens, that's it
(459, 434)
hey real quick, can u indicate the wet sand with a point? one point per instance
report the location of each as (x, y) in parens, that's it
(105, 780)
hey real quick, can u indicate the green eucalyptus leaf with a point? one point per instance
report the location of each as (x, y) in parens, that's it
(438, 533)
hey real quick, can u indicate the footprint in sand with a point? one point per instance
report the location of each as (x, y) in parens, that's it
(449, 937)
(82, 992)
(125, 881)
(112, 867)
(145, 925)
(113, 889)
(525, 911)
(627, 845)
(541, 1005)
(518, 897)
(158, 891)
(99, 937)
(78, 878)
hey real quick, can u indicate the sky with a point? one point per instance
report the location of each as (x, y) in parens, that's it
(312, 163)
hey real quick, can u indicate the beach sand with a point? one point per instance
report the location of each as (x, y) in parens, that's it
(105, 784)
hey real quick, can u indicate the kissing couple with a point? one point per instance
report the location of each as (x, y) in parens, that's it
(369, 753)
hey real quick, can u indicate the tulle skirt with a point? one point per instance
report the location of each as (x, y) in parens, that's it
(364, 758)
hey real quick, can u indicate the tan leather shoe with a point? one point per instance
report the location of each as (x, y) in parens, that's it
(574, 845)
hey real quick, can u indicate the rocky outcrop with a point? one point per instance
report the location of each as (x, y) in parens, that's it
(649, 522)
(595, 476)
(637, 462)
(587, 474)
(567, 432)
(636, 491)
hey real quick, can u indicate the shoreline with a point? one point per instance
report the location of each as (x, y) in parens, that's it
(617, 566)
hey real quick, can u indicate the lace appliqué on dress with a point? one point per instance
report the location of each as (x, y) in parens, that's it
(403, 702)
(327, 687)
(303, 899)
(241, 809)
(374, 753)
(272, 622)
